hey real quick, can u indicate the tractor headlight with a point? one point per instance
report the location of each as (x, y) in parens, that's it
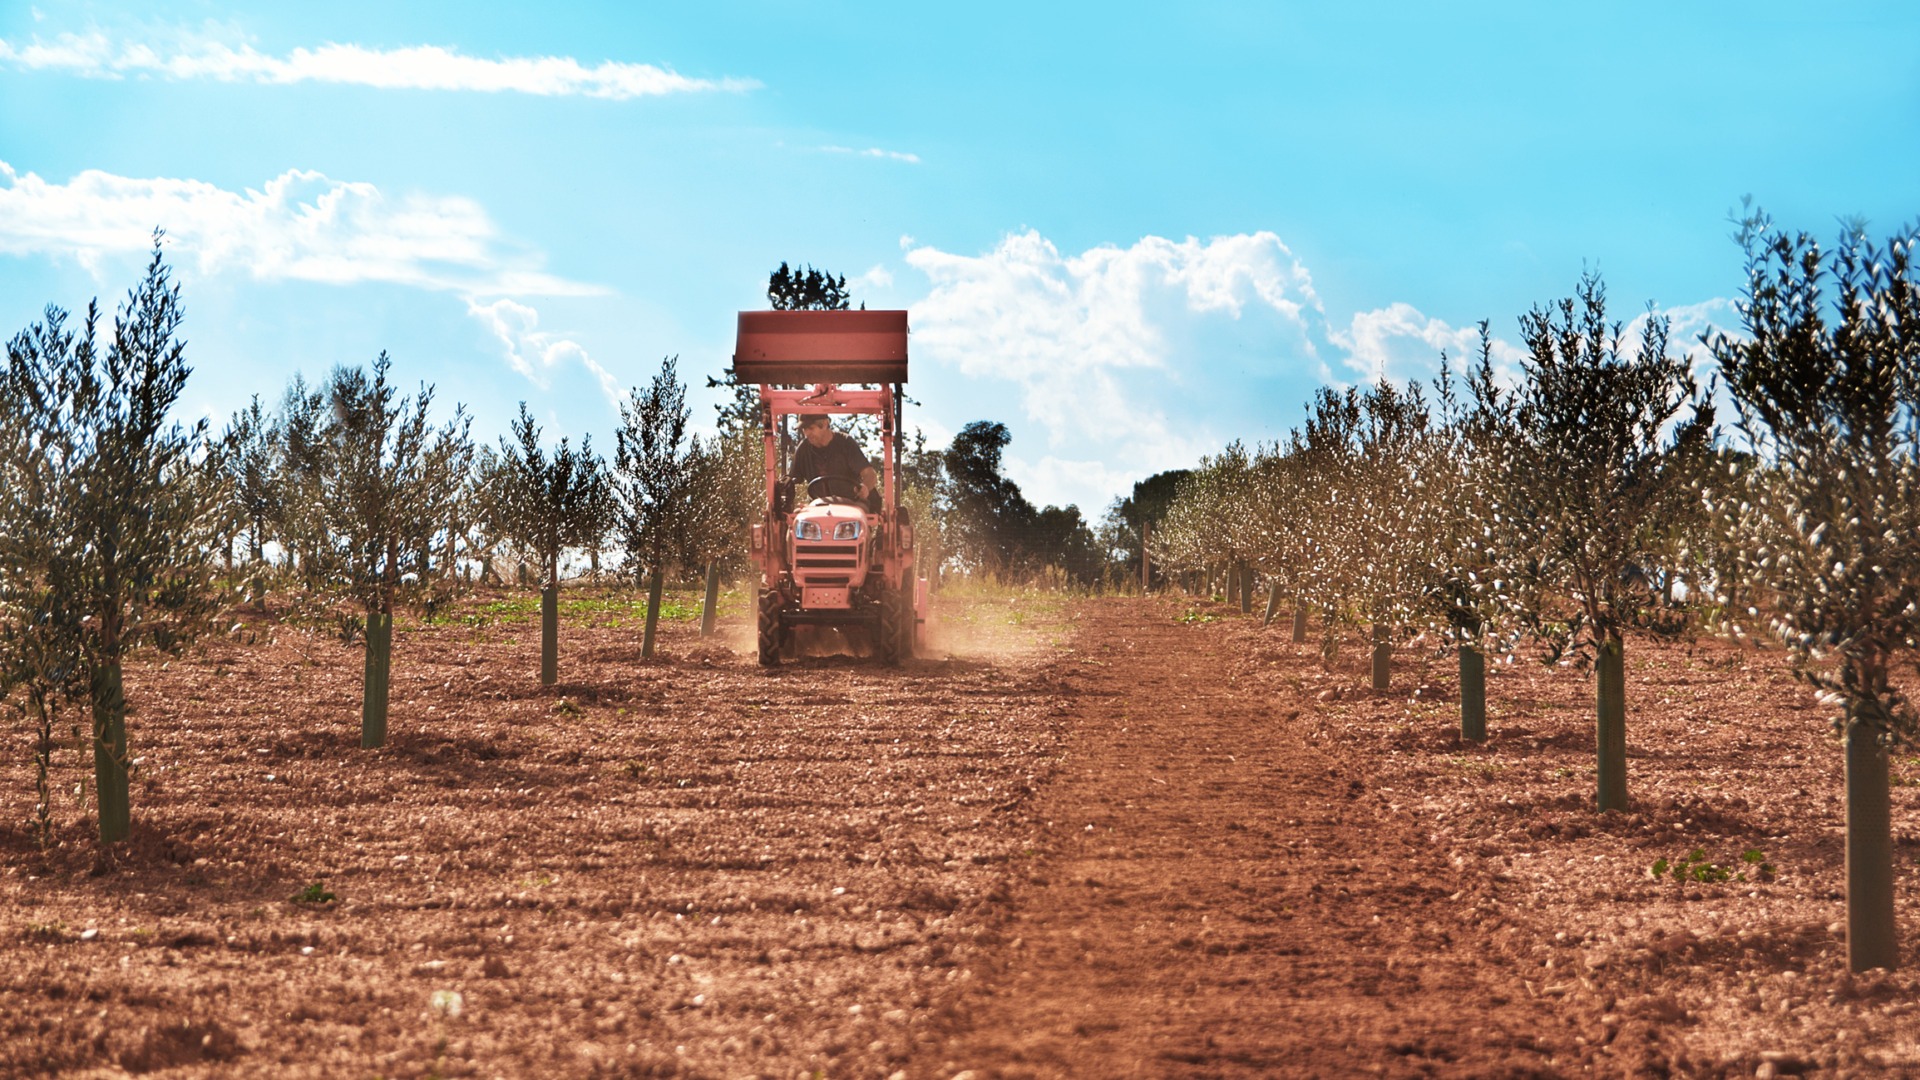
(847, 530)
(806, 530)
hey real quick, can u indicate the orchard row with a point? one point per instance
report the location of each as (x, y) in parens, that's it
(1593, 494)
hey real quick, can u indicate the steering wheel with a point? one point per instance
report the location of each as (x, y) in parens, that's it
(832, 487)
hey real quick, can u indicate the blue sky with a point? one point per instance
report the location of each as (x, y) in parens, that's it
(1130, 232)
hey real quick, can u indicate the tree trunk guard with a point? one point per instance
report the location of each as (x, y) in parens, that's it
(1610, 701)
(1871, 941)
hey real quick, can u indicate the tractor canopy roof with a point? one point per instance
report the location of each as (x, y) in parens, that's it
(804, 347)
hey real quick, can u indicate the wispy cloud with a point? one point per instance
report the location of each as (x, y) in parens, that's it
(420, 67)
(536, 353)
(300, 225)
(1399, 342)
(874, 152)
(303, 226)
(876, 277)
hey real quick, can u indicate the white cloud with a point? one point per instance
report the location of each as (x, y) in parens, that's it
(533, 352)
(874, 152)
(1398, 342)
(1069, 329)
(1124, 361)
(420, 67)
(300, 226)
(1115, 363)
(876, 277)
(1686, 324)
(1075, 481)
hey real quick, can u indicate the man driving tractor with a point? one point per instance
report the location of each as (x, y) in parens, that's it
(824, 452)
(846, 558)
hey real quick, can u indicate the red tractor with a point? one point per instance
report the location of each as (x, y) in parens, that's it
(833, 561)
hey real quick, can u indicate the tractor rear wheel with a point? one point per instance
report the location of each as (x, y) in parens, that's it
(908, 624)
(896, 627)
(770, 627)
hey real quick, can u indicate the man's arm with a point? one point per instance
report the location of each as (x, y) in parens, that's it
(868, 479)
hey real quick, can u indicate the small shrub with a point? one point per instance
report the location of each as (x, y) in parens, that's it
(315, 893)
(1696, 867)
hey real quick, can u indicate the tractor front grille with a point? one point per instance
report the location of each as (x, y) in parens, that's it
(826, 556)
(823, 566)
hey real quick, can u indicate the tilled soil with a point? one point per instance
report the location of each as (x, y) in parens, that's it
(1110, 837)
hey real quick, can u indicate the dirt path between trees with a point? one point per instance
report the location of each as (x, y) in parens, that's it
(1214, 895)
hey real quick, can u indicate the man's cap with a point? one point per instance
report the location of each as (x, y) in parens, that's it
(812, 418)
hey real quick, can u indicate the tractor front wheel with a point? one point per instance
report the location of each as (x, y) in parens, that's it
(770, 636)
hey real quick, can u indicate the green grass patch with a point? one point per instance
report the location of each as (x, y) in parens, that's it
(316, 893)
(598, 607)
(1695, 866)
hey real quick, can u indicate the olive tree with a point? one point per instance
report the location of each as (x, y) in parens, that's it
(435, 508)
(297, 515)
(1827, 390)
(1276, 491)
(726, 499)
(1209, 524)
(544, 504)
(249, 468)
(1477, 568)
(41, 665)
(1389, 533)
(126, 531)
(1328, 509)
(655, 480)
(1605, 437)
(370, 468)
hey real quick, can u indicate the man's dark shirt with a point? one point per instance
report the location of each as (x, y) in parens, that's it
(840, 457)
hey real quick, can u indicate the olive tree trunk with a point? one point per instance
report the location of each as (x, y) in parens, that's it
(1611, 713)
(550, 632)
(373, 698)
(1146, 568)
(712, 600)
(110, 751)
(1382, 656)
(1871, 942)
(1273, 604)
(1299, 623)
(1473, 694)
(653, 613)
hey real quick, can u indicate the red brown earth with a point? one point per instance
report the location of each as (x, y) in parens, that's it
(1095, 837)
